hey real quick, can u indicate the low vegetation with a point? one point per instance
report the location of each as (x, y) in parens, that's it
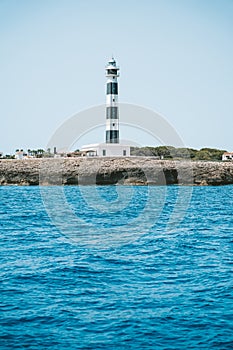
(170, 152)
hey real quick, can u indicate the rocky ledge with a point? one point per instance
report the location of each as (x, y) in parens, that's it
(121, 171)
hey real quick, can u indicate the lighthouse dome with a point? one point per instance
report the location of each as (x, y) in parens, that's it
(112, 69)
(112, 62)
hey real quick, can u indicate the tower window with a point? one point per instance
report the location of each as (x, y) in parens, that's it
(124, 152)
(112, 71)
(104, 152)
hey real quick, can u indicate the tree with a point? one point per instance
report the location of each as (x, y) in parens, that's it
(40, 153)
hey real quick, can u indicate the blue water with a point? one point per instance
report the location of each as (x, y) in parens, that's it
(109, 281)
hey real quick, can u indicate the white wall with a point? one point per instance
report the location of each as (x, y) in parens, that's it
(227, 156)
(111, 150)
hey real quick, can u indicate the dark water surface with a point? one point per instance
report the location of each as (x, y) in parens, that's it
(165, 289)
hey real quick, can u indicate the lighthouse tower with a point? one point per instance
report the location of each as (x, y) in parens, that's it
(112, 112)
(112, 147)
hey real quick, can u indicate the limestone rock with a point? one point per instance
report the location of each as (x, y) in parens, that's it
(121, 171)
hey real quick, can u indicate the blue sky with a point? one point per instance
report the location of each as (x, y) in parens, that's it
(175, 58)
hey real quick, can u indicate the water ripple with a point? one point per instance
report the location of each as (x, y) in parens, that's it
(165, 290)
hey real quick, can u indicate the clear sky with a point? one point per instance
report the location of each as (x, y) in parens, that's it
(176, 57)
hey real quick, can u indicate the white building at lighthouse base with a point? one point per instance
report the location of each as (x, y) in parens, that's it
(106, 150)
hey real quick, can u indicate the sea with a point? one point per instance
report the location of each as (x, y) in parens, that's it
(116, 267)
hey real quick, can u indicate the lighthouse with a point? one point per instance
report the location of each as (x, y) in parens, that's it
(112, 111)
(112, 147)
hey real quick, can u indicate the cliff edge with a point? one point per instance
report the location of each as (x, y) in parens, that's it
(106, 171)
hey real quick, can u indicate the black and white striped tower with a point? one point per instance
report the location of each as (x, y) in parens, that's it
(112, 112)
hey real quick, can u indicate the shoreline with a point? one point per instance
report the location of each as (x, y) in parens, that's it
(114, 170)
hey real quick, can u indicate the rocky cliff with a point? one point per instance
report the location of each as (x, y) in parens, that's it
(101, 171)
